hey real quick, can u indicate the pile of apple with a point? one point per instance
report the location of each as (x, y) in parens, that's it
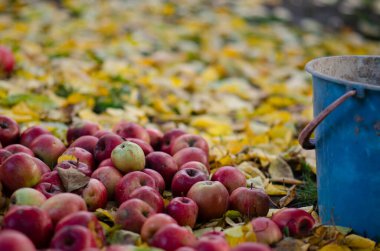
(54, 189)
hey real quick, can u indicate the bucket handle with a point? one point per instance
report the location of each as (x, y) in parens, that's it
(304, 137)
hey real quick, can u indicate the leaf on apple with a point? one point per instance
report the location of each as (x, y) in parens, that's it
(72, 179)
(240, 234)
(105, 216)
(124, 237)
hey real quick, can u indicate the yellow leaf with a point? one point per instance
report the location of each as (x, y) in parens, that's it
(271, 189)
(214, 126)
(357, 242)
(239, 234)
(335, 247)
(66, 157)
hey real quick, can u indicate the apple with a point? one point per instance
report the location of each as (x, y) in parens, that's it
(9, 130)
(185, 249)
(184, 210)
(116, 247)
(101, 133)
(11, 240)
(4, 154)
(189, 140)
(52, 178)
(28, 197)
(48, 148)
(131, 182)
(80, 166)
(106, 162)
(251, 202)
(172, 237)
(153, 224)
(63, 204)
(32, 133)
(169, 137)
(299, 222)
(142, 144)
(131, 130)
(105, 145)
(85, 219)
(32, 221)
(251, 246)
(158, 179)
(48, 189)
(214, 233)
(155, 137)
(19, 170)
(151, 196)
(206, 192)
(190, 154)
(17, 148)
(230, 177)
(132, 214)
(196, 165)
(41, 165)
(184, 179)
(73, 238)
(79, 129)
(78, 154)
(86, 142)
(7, 62)
(266, 230)
(212, 243)
(164, 164)
(94, 194)
(128, 157)
(109, 177)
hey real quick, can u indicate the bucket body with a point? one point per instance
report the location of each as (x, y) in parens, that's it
(347, 142)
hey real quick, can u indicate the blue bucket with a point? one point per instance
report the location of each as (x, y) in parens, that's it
(347, 141)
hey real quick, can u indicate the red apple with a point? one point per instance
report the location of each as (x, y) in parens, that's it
(62, 205)
(87, 142)
(155, 137)
(11, 240)
(7, 61)
(9, 129)
(129, 183)
(153, 224)
(109, 176)
(172, 237)
(251, 246)
(184, 179)
(203, 193)
(101, 133)
(132, 214)
(142, 144)
(184, 210)
(128, 157)
(158, 179)
(190, 154)
(212, 243)
(28, 197)
(185, 249)
(32, 133)
(52, 178)
(195, 165)
(81, 128)
(266, 230)
(164, 164)
(251, 202)
(41, 165)
(78, 154)
(94, 194)
(82, 167)
(105, 145)
(230, 177)
(19, 170)
(189, 140)
(17, 148)
(4, 154)
(106, 162)
(32, 221)
(131, 130)
(73, 238)
(151, 196)
(120, 248)
(299, 222)
(169, 137)
(48, 189)
(48, 148)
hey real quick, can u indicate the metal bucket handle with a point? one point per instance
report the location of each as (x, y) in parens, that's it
(304, 137)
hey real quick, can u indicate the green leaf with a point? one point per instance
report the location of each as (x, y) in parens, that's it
(233, 214)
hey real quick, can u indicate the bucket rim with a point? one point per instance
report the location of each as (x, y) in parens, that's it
(309, 68)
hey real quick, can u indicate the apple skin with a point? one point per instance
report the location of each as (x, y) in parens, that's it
(7, 61)
(191, 154)
(86, 142)
(73, 238)
(4, 154)
(299, 222)
(172, 237)
(164, 164)
(184, 210)
(52, 178)
(128, 157)
(142, 144)
(151, 196)
(41, 165)
(12, 240)
(132, 214)
(153, 224)
(185, 249)
(48, 148)
(32, 133)
(158, 179)
(48, 189)
(85, 219)
(109, 177)
(131, 182)
(32, 221)
(19, 170)
(251, 246)
(156, 137)
(28, 197)
(94, 194)
(18, 148)
(101, 133)
(230, 177)
(266, 230)
(189, 140)
(120, 248)
(131, 130)
(169, 137)
(80, 155)
(106, 162)
(9, 131)
(79, 129)
(205, 191)
(196, 165)
(251, 202)
(80, 166)
(184, 179)
(105, 145)
(212, 243)
(63, 204)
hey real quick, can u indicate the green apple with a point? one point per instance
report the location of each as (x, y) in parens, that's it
(128, 157)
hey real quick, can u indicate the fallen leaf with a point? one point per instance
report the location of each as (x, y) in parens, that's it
(72, 179)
